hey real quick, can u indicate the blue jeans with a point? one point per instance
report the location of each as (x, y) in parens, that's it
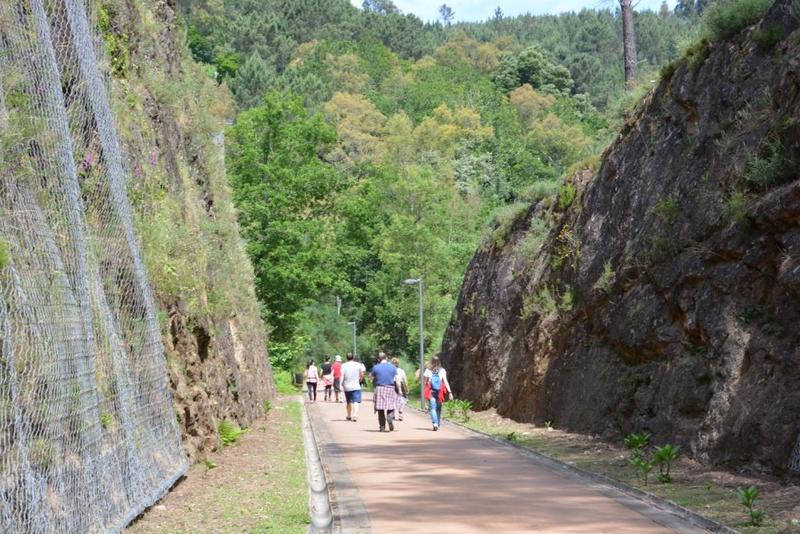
(436, 408)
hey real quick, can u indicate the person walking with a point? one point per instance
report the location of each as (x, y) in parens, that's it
(383, 375)
(436, 389)
(327, 377)
(336, 368)
(312, 375)
(352, 374)
(401, 388)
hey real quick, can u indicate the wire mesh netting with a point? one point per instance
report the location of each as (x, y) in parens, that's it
(88, 435)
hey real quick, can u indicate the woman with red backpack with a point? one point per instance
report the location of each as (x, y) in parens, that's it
(437, 389)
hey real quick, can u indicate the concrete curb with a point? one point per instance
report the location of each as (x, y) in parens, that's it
(349, 513)
(601, 481)
(319, 505)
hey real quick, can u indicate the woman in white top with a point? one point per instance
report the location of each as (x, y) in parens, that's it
(401, 384)
(312, 375)
(437, 389)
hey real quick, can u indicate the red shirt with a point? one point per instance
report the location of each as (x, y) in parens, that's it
(337, 369)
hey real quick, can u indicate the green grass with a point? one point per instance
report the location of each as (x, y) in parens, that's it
(726, 18)
(288, 508)
(283, 383)
(3, 254)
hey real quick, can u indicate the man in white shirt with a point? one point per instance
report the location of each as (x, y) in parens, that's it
(352, 373)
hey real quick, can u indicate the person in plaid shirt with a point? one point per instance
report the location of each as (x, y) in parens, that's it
(383, 375)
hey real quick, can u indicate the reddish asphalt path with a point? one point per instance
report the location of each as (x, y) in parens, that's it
(416, 480)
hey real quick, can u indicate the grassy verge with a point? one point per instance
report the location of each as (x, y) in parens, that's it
(287, 509)
(708, 491)
(257, 484)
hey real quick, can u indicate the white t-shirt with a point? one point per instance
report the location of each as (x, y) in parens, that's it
(442, 374)
(400, 377)
(351, 374)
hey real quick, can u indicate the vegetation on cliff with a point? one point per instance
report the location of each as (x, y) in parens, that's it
(170, 116)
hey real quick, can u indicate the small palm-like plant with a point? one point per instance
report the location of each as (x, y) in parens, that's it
(643, 467)
(748, 496)
(450, 409)
(636, 443)
(664, 457)
(464, 407)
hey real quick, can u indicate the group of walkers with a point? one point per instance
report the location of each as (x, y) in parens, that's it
(391, 387)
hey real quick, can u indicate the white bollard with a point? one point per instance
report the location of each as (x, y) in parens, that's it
(319, 504)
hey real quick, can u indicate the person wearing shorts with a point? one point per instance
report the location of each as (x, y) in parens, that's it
(352, 373)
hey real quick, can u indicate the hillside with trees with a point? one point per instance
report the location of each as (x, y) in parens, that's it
(371, 147)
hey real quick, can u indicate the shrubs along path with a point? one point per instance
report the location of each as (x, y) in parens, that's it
(255, 484)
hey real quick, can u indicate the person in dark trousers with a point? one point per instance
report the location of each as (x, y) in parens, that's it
(312, 375)
(383, 374)
(327, 377)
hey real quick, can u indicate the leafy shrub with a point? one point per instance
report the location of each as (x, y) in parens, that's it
(539, 190)
(229, 433)
(663, 457)
(512, 437)
(458, 408)
(283, 383)
(771, 166)
(770, 36)
(567, 195)
(725, 18)
(463, 406)
(697, 53)
(736, 205)
(669, 69)
(567, 300)
(532, 241)
(747, 497)
(209, 464)
(606, 278)
(267, 406)
(504, 218)
(450, 409)
(542, 303)
(106, 420)
(667, 210)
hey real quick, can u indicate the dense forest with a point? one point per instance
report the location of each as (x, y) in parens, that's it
(370, 147)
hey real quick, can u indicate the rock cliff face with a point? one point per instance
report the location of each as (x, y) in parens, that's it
(171, 118)
(666, 293)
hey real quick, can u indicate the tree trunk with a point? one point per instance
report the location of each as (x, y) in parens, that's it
(629, 43)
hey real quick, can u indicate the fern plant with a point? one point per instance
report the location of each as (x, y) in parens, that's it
(229, 433)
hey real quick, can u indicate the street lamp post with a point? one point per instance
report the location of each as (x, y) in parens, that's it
(418, 282)
(355, 350)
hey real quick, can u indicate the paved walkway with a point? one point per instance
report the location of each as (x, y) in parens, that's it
(416, 480)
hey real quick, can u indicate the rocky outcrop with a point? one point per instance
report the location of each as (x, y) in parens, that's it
(171, 116)
(666, 294)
